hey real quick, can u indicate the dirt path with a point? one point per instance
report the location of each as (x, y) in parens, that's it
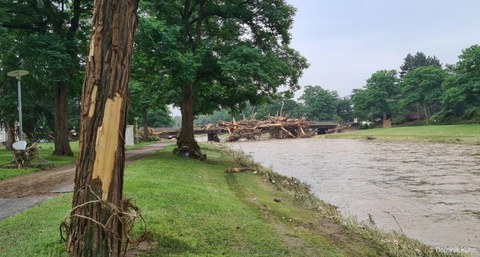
(23, 192)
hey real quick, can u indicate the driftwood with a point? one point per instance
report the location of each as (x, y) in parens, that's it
(238, 170)
(23, 157)
(28, 158)
(278, 127)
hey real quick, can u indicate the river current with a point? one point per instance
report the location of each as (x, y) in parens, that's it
(432, 190)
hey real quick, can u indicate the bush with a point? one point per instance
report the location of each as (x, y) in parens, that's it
(366, 125)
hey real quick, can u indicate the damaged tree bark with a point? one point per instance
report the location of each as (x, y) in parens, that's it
(97, 219)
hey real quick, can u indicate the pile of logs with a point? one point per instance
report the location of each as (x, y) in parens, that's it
(277, 127)
(28, 158)
(23, 157)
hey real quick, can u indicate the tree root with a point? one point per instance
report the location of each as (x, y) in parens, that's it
(127, 214)
(189, 150)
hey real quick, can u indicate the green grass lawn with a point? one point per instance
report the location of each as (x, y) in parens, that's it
(195, 208)
(465, 134)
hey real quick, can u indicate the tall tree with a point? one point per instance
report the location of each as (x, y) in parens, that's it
(96, 224)
(412, 62)
(8, 105)
(377, 99)
(37, 116)
(222, 54)
(48, 38)
(8, 111)
(345, 109)
(146, 93)
(145, 99)
(423, 87)
(320, 104)
(461, 98)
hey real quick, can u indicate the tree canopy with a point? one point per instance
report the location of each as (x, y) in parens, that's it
(461, 98)
(47, 39)
(320, 104)
(377, 99)
(221, 54)
(423, 87)
(412, 62)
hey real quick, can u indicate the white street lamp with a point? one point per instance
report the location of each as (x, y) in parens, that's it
(18, 74)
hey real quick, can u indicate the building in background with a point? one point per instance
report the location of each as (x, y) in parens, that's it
(3, 136)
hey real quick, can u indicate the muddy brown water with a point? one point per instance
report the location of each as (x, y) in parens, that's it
(433, 190)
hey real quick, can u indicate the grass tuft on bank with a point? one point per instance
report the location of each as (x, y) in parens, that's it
(459, 134)
(195, 208)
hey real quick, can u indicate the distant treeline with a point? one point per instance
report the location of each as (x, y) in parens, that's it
(422, 91)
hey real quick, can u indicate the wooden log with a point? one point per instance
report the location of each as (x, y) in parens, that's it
(288, 132)
(302, 131)
(237, 170)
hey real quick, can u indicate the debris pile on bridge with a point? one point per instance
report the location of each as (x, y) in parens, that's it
(278, 127)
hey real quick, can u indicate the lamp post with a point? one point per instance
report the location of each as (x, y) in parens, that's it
(18, 74)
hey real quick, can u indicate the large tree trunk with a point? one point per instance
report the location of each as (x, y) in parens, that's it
(62, 145)
(186, 144)
(425, 111)
(97, 225)
(62, 89)
(10, 137)
(145, 123)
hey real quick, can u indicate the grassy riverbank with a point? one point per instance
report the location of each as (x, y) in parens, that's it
(463, 134)
(195, 208)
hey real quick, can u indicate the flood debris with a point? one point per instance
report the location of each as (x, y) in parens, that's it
(238, 170)
(278, 127)
(27, 158)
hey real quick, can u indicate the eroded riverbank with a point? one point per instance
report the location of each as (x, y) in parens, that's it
(431, 192)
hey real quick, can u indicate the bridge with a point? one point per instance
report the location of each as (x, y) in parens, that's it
(320, 127)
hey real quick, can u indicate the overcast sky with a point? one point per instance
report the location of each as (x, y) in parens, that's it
(346, 41)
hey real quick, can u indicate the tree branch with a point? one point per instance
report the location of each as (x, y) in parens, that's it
(75, 21)
(19, 26)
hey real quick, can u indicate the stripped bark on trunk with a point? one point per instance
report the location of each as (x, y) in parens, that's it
(96, 226)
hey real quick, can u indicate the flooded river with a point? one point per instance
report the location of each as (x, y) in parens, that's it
(433, 190)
